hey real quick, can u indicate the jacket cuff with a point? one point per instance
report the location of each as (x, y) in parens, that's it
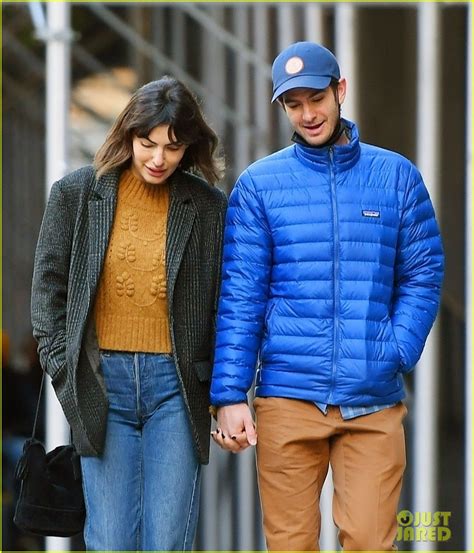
(214, 408)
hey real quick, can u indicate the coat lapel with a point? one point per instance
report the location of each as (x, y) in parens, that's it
(181, 215)
(101, 216)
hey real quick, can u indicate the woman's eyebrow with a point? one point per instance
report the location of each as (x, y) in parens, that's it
(167, 144)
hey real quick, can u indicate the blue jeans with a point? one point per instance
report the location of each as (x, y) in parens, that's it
(143, 492)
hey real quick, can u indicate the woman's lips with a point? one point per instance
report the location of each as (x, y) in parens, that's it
(155, 172)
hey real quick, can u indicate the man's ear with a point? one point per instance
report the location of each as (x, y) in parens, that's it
(341, 90)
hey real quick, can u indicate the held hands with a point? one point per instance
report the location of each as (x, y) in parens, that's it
(235, 428)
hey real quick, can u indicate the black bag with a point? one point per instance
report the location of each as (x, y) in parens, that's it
(51, 501)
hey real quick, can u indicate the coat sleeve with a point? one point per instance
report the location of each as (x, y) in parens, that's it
(244, 291)
(217, 256)
(418, 273)
(50, 283)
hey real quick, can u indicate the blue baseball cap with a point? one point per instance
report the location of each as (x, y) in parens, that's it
(303, 65)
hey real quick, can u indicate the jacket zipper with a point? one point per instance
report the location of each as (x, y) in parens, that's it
(336, 287)
(268, 315)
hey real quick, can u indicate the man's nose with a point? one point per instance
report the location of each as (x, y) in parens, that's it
(308, 114)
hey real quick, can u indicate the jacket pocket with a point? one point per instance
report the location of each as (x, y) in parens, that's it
(203, 370)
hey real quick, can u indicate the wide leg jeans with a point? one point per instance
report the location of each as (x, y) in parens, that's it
(142, 493)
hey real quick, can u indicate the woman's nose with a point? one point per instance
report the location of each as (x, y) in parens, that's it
(158, 157)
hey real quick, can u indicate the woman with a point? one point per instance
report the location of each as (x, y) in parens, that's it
(123, 305)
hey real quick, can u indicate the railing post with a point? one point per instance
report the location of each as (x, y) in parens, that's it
(469, 543)
(58, 85)
(425, 442)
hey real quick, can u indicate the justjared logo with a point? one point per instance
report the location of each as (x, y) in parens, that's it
(423, 526)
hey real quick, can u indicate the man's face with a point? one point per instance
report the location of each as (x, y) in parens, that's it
(314, 114)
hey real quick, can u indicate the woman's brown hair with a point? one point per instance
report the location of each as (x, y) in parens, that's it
(166, 101)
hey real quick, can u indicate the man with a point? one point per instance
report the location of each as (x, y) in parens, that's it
(331, 283)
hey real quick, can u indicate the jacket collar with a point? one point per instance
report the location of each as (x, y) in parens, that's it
(180, 189)
(345, 156)
(106, 185)
(181, 215)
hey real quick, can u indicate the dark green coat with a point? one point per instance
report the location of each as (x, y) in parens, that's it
(71, 248)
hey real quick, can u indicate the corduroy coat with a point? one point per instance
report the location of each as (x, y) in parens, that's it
(71, 248)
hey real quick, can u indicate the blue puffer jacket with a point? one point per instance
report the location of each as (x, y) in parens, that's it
(331, 278)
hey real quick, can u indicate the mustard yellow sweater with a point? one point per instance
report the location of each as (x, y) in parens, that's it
(131, 309)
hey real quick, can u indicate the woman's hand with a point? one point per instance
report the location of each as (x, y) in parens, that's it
(235, 428)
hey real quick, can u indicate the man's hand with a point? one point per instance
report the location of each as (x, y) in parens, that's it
(235, 428)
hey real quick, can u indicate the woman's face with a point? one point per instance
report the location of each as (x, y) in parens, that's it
(156, 157)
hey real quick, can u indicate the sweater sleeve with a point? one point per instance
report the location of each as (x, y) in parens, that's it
(418, 273)
(244, 291)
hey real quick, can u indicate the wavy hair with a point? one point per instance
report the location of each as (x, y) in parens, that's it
(166, 101)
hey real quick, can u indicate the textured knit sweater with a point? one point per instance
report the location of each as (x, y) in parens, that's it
(131, 309)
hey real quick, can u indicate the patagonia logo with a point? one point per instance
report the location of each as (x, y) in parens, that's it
(371, 213)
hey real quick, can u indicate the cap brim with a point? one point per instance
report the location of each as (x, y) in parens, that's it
(302, 81)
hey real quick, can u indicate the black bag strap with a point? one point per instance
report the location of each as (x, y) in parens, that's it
(35, 422)
(33, 434)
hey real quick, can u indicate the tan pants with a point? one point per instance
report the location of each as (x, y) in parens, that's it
(296, 443)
